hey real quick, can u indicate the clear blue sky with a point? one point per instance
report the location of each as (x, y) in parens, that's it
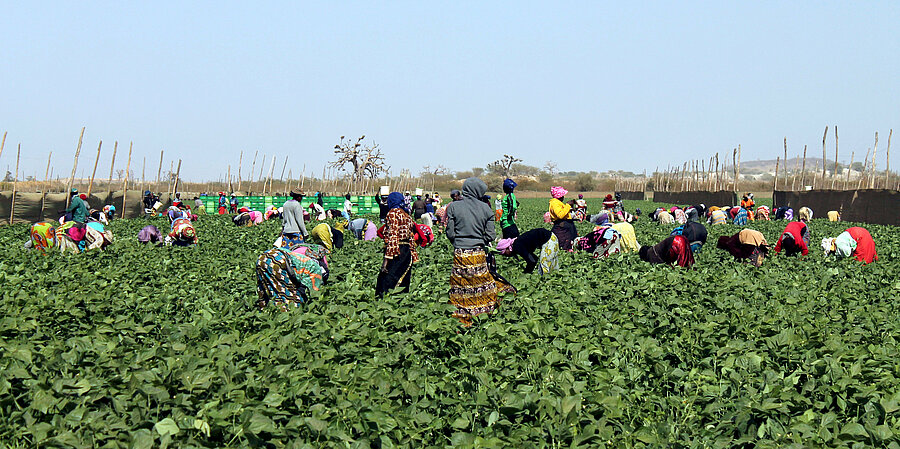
(592, 85)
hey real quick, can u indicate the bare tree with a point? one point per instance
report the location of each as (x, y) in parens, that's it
(503, 166)
(551, 167)
(365, 160)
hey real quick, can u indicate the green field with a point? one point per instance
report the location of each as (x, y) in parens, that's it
(152, 346)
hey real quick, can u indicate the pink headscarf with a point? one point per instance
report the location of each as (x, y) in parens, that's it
(558, 192)
(256, 217)
(505, 245)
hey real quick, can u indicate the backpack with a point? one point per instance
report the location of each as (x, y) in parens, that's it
(423, 235)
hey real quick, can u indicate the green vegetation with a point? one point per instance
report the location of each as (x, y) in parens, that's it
(152, 346)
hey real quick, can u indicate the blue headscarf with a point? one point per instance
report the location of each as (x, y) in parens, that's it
(509, 184)
(396, 201)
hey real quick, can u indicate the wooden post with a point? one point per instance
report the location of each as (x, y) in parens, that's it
(850, 167)
(12, 205)
(887, 170)
(46, 185)
(74, 167)
(252, 170)
(283, 167)
(803, 170)
(824, 164)
(94, 173)
(716, 184)
(864, 170)
(229, 179)
(143, 175)
(159, 170)
(775, 182)
(175, 181)
(240, 163)
(125, 184)
(872, 171)
(3, 143)
(737, 170)
(112, 166)
(268, 189)
(834, 174)
(785, 163)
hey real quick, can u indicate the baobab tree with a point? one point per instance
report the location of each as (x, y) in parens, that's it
(365, 160)
(503, 166)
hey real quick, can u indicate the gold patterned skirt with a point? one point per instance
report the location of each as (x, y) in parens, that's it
(475, 284)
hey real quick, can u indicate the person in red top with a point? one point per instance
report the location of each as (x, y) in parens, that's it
(855, 242)
(399, 248)
(794, 239)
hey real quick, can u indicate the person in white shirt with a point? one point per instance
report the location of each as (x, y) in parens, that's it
(348, 207)
(318, 211)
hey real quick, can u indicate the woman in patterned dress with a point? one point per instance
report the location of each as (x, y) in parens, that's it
(285, 278)
(474, 282)
(399, 248)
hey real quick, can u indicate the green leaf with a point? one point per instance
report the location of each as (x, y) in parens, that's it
(166, 427)
(854, 429)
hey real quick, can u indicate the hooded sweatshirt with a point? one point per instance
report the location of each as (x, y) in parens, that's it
(470, 222)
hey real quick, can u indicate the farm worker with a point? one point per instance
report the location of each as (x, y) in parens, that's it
(747, 244)
(329, 237)
(223, 204)
(148, 200)
(43, 236)
(150, 234)
(182, 233)
(97, 215)
(665, 218)
(601, 219)
(77, 210)
(561, 216)
(581, 206)
(97, 236)
(834, 215)
(498, 207)
(293, 227)
(363, 229)
(256, 217)
(285, 278)
(525, 245)
(429, 204)
(603, 241)
(629, 240)
(741, 217)
(762, 213)
(747, 201)
(348, 207)
(784, 213)
(694, 213)
(694, 232)
(455, 195)
(407, 201)
(418, 207)
(199, 207)
(70, 237)
(437, 200)
(474, 281)
(717, 216)
(680, 216)
(233, 204)
(320, 199)
(855, 242)
(242, 220)
(177, 201)
(318, 211)
(794, 239)
(805, 214)
(382, 206)
(110, 211)
(609, 203)
(509, 207)
(175, 213)
(270, 213)
(674, 250)
(399, 248)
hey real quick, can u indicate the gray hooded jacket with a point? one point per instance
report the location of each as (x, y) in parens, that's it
(470, 222)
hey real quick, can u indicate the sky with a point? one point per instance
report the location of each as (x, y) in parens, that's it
(588, 85)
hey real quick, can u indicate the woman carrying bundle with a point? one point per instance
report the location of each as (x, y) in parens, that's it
(474, 281)
(561, 216)
(527, 243)
(748, 245)
(285, 278)
(674, 250)
(399, 250)
(855, 242)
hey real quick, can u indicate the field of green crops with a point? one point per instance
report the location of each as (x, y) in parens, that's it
(163, 347)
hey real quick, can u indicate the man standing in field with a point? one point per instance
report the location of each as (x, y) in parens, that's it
(293, 229)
